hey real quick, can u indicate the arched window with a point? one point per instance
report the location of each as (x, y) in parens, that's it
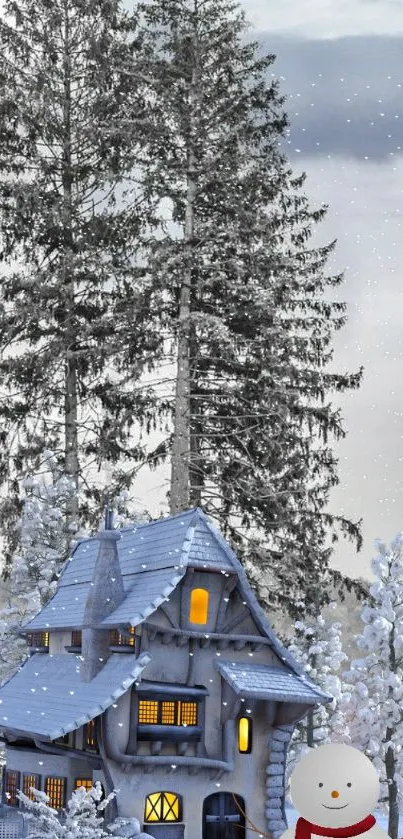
(245, 735)
(163, 807)
(198, 611)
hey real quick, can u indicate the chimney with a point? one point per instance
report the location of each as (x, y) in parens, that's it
(105, 594)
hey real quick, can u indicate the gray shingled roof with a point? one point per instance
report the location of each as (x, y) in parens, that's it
(153, 558)
(260, 681)
(46, 697)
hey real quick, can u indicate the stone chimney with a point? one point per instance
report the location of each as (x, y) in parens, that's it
(105, 594)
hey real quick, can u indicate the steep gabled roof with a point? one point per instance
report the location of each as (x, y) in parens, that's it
(153, 559)
(47, 698)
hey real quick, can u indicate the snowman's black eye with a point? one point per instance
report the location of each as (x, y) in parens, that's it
(321, 785)
(349, 785)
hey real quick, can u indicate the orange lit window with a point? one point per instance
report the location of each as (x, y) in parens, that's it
(161, 712)
(83, 782)
(198, 612)
(116, 639)
(188, 713)
(245, 735)
(90, 739)
(29, 782)
(38, 639)
(55, 788)
(162, 807)
(10, 788)
(148, 712)
(168, 713)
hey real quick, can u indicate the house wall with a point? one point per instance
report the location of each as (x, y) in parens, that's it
(171, 664)
(45, 765)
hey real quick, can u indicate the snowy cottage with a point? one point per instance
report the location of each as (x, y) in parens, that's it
(155, 671)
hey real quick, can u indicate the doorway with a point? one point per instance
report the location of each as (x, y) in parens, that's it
(222, 816)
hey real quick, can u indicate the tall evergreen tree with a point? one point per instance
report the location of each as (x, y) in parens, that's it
(247, 300)
(73, 292)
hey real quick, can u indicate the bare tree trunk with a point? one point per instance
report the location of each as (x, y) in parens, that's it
(180, 457)
(70, 395)
(196, 470)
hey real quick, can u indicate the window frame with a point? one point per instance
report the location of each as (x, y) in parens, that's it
(117, 639)
(90, 743)
(36, 784)
(12, 801)
(38, 640)
(177, 711)
(162, 794)
(249, 720)
(61, 778)
(86, 781)
(198, 608)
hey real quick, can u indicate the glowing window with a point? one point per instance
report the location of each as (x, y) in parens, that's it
(168, 713)
(198, 606)
(29, 782)
(148, 712)
(55, 788)
(38, 639)
(116, 639)
(90, 738)
(245, 735)
(187, 713)
(83, 782)
(11, 786)
(162, 807)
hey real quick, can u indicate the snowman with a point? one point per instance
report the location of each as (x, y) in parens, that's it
(334, 788)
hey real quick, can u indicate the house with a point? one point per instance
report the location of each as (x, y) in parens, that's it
(155, 671)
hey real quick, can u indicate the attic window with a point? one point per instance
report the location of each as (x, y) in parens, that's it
(116, 639)
(198, 612)
(245, 735)
(38, 639)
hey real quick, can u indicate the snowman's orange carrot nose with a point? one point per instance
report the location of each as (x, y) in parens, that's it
(334, 793)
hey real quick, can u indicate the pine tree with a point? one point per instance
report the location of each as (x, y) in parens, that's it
(44, 542)
(73, 291)
(83, 817)
(374, 706)
(317, 646)
(246, 299)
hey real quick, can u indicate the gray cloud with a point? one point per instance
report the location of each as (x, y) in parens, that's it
(344, 96)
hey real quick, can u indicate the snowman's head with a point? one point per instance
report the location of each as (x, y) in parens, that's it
(334, 786)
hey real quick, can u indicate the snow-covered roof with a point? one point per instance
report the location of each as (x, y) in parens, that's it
(153, 559)
(260, 681)
(46, 697)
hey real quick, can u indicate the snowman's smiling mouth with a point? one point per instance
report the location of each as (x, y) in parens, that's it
(335, 808)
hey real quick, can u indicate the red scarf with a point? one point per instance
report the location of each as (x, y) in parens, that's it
(304, 829)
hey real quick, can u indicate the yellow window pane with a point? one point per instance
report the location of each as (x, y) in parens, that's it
(168, 713)
(170, 807)
(153, 808)
(244, 734)
(188, 713)
(83, 782)
(198, 613)
(148, 712)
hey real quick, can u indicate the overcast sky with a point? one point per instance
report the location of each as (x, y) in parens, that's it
(341, 65)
